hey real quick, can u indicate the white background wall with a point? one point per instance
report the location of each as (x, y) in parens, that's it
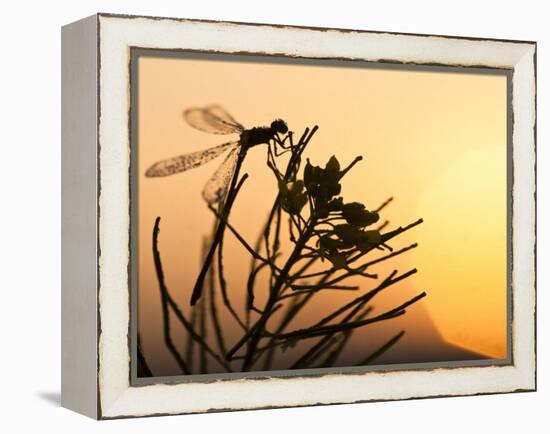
(30, 216)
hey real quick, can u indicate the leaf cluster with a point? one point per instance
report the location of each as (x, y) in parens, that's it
(339, 227)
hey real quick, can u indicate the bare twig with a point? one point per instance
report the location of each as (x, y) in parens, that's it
(384, 224)
(214, 311)
(250, 250)
(333, 356)
(353, 163)
(293, 310)
(382, 349)
(143, 367)
(316, 350)
(174, 306)
(203, 363)
(384, 204)
(164, 302)
(391, 255)
(366, 297)
(323, 330)
(190, 345)
(388, 236)
(314, 289)
(223, 287)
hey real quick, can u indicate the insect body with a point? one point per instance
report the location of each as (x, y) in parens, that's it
(260, 135)
(220, 188)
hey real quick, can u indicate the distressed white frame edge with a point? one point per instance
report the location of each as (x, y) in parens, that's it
(79, 389)
(117, 398)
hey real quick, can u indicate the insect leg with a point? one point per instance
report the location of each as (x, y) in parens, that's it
(279, 153)
(278, 142)
(281, 143)
(270, 155)
(288, 137)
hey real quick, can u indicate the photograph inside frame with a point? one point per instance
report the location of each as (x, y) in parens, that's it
(297, 214)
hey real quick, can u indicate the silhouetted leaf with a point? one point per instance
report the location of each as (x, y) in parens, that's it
(322, 212)
(322, 184)
(292, 196)
(356, 214)
(338, 260)
(330, 244)
(349, 234)
(308, 174)
(335, 204)
(333, 167)
(373, 236)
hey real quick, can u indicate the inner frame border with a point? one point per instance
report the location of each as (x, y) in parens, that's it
(137, 52)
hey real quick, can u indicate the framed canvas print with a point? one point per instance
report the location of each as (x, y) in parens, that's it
(261, 216)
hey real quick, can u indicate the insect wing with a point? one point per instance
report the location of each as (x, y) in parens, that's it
(212, 120)
(215, 190)
(219, 112)
(174, 165)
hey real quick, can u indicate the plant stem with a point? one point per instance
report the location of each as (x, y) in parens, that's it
(312, 332)
(175, 308)
(197, 289)
(323, 330)
(310, 355)
(292, 311)
(353, 163)
(203, 363)
(274, 295)
(366, 297)
(382, 349)
(214, 311)
(254, 333)
(384, 204)
(333, 356)
(164, 302)
(190, 341)
(290, 173)
(143, 366)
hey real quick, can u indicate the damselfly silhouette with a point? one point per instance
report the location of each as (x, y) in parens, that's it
(220, 189)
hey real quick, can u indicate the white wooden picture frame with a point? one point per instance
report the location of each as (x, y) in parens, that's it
(96, 296)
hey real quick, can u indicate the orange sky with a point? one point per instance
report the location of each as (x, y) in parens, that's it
(436, 141)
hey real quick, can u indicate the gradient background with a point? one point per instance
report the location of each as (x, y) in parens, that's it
(435, 140)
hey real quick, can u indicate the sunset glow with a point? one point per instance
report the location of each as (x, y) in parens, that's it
(436, 141)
